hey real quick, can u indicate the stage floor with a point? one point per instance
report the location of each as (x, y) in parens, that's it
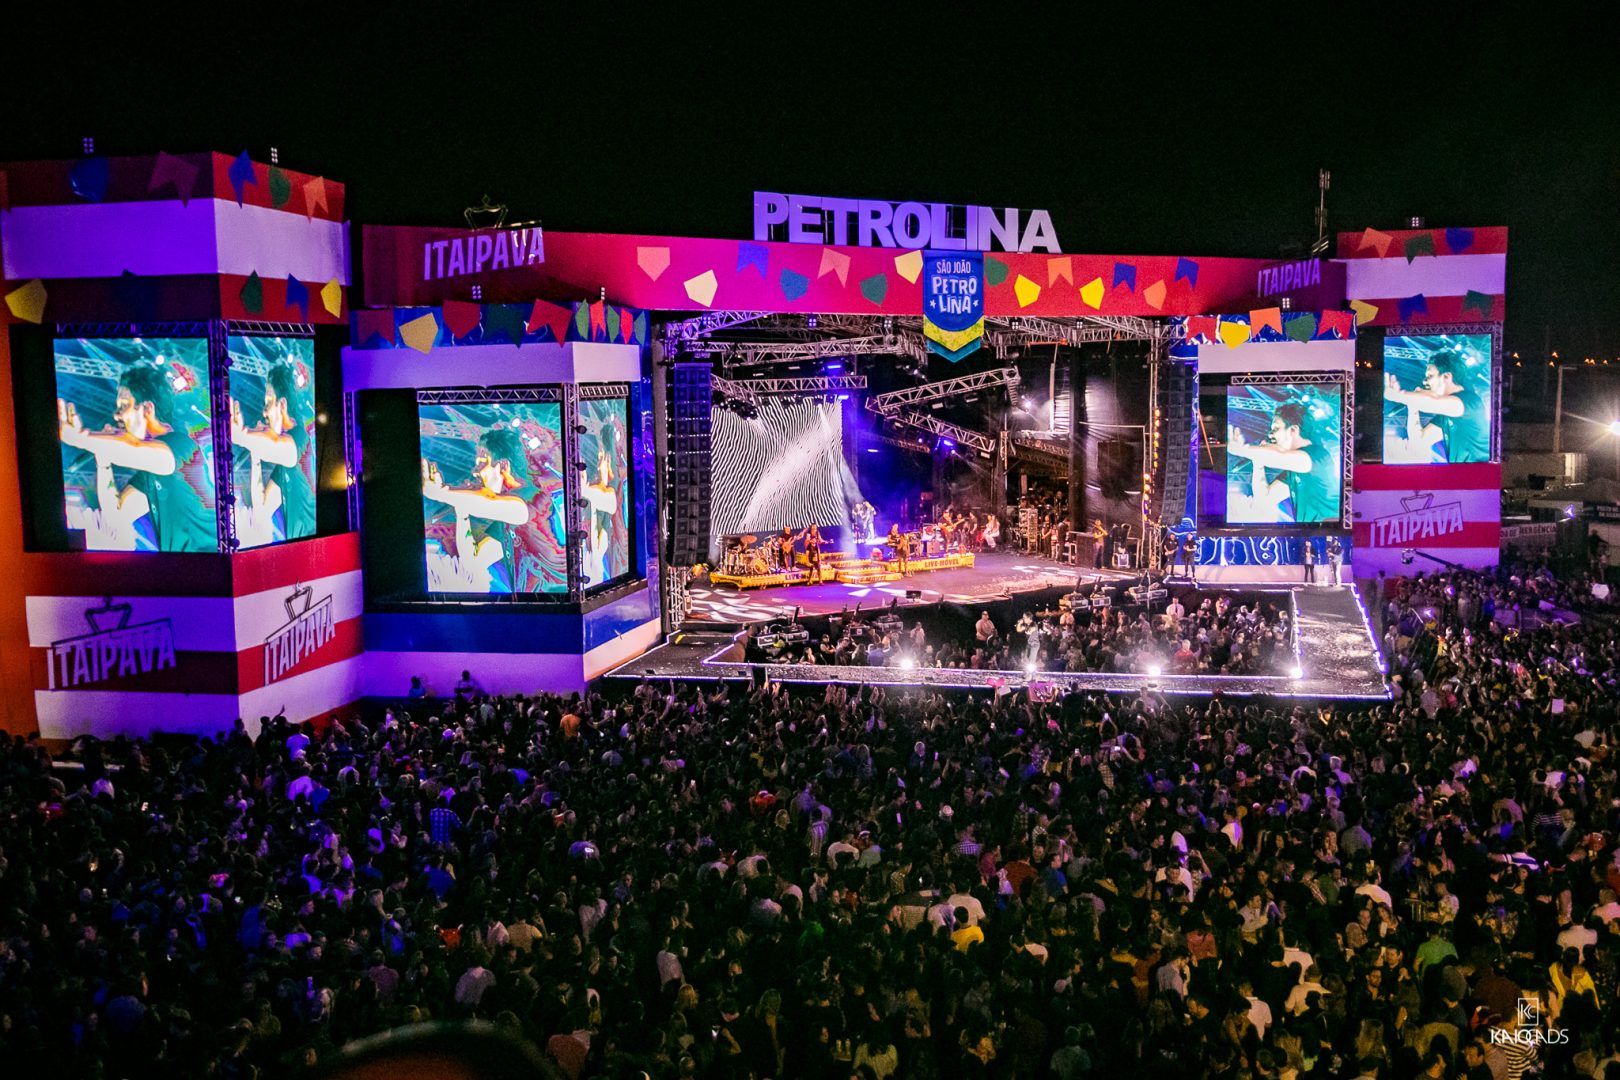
(993, 574)
(1337, 659)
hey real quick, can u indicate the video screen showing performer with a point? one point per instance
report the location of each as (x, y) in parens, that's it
(492, 497)
(137, 443)
(1437, 399)
(272, 390)
(605, 486)
(1284, 454)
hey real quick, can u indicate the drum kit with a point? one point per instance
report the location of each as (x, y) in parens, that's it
(744, 555)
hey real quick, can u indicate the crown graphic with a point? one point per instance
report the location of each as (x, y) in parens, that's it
(297, 601)
(109, 616)
(1420, 500)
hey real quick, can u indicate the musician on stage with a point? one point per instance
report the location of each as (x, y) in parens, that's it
(812, 551)
(1099, 544)
(861, 517)
(992, 531)
(900, 544)
(947, 526)
(784, 546)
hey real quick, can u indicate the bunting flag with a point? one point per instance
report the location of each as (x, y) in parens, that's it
(653, 261)
(252, 294)
(1153, 295)
(503, 320)
(1419, 244)
(794, 285)
(369, 323)
(627, 324)
(598, 318)
(420, 333)
(1365, 312)
(875, 288)
(1413, 305)
(995, 271)
(1301, 327)
(332, 298)
(280, 188)
(641, 327)
(298, 297)
(582, 321)
(462, 318)
(909, 266)
(1263, 318)
(1234, 333)
(833, 261)
(241, 174)
(1378, 241)
(553, 317)
(750, 254)
(1480, 302)
(27, 302)
(612, 323)
(1026, 290)
(1340, 323)
(1092, 293)
(314, 196)
(1060, 270)
(1459, 240)
(1188, 269)
(171, 171)
(88, 178)
(701, 289)
(1202, 326)
(1125, 273)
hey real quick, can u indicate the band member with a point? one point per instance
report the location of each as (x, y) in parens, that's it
(1102, 546)
(784, 547)
(900, 544)
(171, 486)
(1455, 402)
(1295, 448)
(812, 551)
(1335, 554)
(861, 517)
(947, 525)
(992, 532)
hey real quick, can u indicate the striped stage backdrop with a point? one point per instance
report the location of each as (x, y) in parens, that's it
(188, 643)
(171, 238)
(1415, 276)
(1452, 512)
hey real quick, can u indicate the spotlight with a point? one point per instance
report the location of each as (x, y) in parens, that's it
(1154, 671)
(1030, 668)
(1614, 427)
(907, 663)
(1299, 671)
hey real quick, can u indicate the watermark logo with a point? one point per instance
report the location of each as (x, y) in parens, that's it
(1529, 1031)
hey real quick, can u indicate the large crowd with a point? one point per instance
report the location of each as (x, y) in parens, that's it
(757, 881)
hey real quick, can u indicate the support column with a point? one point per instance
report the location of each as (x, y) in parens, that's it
(572, 468)
(1077, 442)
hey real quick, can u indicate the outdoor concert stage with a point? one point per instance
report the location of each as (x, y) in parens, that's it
(995, 574)
(1338, 659)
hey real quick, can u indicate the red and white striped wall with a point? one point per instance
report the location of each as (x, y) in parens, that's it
(190, 643)
(1453, 512)
(1416, 276)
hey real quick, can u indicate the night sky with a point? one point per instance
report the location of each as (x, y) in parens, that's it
(1186, 133)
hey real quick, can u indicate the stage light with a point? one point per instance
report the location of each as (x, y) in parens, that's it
(1299, 672)
(907, 663)
(1030, 668)
(1154, 671)
(1614, 427)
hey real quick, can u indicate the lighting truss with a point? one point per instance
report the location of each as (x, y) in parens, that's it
(895, 400)
(744, 353)
(754, 389)
(904, 444)
(134, 329)
(482, 395)
(1346, 381)
(925, 422)
(602, 391)
(1001, 332)
(703, 325)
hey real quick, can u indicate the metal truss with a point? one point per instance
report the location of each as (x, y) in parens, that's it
(754, 389)
(744, 353)
(483, 395)
(1080, 331)
(1346, 380)
(133, 329)
(894, 400)
(702, 326)
(269, 329)
(603, 391)
(904, 444)
(924, 422)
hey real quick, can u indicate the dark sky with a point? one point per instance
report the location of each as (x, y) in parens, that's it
(1185, 132)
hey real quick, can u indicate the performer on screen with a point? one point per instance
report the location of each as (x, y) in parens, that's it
(1455, 404)
(485, 516)
(900, 544)
(1294, 448)
(277, 451)
(603, 496)
(170, 476)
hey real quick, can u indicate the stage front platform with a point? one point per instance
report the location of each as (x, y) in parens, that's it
(1338, 659)
(991, 574)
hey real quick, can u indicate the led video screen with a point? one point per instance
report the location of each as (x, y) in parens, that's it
(492, 497)
(605, 487)
(137, 443)
(1284, 454)
(1437, 399)
(784, 466)
(272, 391)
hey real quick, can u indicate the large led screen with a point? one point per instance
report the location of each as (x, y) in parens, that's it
(605, 487)
(1437, 399)
(137, 443)
(1284, 454)
(492, 497)
(272, 389)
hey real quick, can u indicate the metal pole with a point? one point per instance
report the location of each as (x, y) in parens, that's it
(1558, 417)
